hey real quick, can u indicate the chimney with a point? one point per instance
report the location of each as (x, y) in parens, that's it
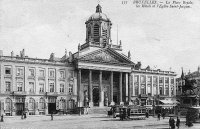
(1, 52)
(198, 69)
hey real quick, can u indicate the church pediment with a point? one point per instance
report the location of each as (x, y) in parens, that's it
(105, 56)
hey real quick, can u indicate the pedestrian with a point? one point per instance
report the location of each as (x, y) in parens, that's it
(51, 116)
(172, 123)
(147, 115)
(2, 118)
(178, 122)
(24, 115)
(163, 115)
(158, 116)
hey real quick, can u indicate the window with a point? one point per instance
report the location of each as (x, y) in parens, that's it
(161, 80)
(155, 89)
(172, 80)
(42, 103)
(149, 80)
(166, 90)
(155, 80)
(136, 90)
(8, 86)
(70, 88)
(142, 89)
(20, 71)
(31, 72)
(41, 85)
(31, 104)
(19, 86)
(51, 73)
(31, 86)
(7, 70)
(172, 90)
(136, 79)
(51, 85)
(149, 89)
(62, 104)
(8, 104)
(96, 30)
(167, 80)
(143, 79)
(41, 73)
(62, 88)
(161, 90)
(62, 75)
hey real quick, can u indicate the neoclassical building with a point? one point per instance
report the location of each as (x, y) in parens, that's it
(98, 75)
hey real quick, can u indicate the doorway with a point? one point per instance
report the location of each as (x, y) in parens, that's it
(96, 96)
(19, 108)
(52, 108)
(52, 105)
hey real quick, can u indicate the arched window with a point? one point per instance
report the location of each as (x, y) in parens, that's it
(8, 105)
(62, 104)
(71, 104)
(42, 104)
(31, 104)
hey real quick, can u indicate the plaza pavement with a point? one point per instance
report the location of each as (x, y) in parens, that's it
(93, 121)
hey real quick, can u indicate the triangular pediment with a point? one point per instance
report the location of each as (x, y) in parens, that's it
(106, 55)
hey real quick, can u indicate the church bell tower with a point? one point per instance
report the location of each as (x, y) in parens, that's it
(98, 29)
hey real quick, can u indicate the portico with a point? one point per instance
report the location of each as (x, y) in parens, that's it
(102, 81)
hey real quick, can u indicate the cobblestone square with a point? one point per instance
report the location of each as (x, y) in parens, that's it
(86, 122)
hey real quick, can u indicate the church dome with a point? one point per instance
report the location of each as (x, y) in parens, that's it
(98, 15)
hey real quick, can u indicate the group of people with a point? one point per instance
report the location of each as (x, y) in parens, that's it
(172, 123)
(159, 115)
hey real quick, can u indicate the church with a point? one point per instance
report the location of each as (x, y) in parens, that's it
(97, 75)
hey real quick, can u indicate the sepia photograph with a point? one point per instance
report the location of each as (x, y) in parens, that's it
(99, 64)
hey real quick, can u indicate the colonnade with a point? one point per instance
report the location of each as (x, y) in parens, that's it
(101, 91)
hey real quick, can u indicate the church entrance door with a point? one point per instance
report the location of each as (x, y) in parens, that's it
(96, 96)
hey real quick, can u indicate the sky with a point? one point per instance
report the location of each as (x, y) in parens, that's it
(165, 39)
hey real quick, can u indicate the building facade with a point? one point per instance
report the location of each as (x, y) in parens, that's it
(98, 74)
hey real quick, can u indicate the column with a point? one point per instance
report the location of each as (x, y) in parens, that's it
(101, 92)
(170, 87)
(146, 86)
(139, 86)
(120, 89)
(164, 86)
(174, 86)
(158, 87)
(90, 89)
(111, 89)
(129, 89)
(126, 77)
(133, 84)
(152, 87)
(80, 98)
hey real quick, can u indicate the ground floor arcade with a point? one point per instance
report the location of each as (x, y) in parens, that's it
(36, 105)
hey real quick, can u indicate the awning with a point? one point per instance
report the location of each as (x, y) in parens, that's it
(169, 101)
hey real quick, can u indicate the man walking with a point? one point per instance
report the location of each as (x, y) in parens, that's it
(178, 122)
